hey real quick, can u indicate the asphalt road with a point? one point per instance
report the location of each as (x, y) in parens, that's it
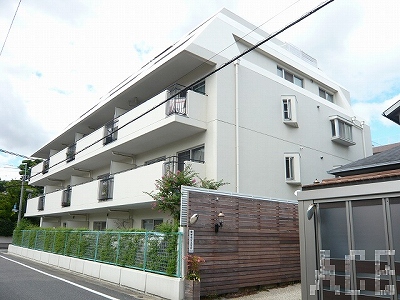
(22, 279)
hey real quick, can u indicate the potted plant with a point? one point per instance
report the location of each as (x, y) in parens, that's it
(192, 282)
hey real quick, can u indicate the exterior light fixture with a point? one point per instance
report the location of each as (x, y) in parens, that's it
(193, 219)
(15, 209)
(310, 211)
(220, 221)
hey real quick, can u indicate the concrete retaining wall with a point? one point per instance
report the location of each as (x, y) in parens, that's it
(154, 284)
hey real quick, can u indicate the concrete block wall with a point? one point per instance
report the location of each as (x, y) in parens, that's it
(162, 286)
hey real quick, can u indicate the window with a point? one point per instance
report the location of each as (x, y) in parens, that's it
(292, 168)
(200, 87)
(194, 154)
(150, 224)
(289, 76)
(99, 225)
(341, 131)
(289, 168)
(326, 95)
(289, 110)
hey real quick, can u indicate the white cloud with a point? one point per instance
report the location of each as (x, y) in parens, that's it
(62, 56)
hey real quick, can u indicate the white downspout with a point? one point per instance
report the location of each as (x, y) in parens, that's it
(237, 62)
(363, 139)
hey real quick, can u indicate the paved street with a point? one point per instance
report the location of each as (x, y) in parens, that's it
(24, 279)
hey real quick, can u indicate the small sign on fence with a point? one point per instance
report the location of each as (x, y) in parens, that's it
(191, 241)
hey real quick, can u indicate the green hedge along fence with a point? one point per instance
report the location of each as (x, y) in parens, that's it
(148, 251)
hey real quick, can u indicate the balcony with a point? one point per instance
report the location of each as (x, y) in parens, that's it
(121, 190)
(146, 127)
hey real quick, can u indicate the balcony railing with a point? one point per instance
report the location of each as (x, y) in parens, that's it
(173, 164)
(124, 131)
(71, 152)
(110, 132)
(66, 198)
(125, 188)
(41, 203)
(46, 165)
(176, 105)
(106, 186)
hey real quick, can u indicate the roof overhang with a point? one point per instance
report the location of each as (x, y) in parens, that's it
(393, 113)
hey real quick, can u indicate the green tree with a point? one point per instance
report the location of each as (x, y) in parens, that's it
(168, 190)
(10, 192)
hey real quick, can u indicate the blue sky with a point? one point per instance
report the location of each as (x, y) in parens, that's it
(62, 56)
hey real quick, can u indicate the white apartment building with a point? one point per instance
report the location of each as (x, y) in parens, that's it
(267, 124)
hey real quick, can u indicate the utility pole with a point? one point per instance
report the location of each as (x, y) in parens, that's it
(21, 195)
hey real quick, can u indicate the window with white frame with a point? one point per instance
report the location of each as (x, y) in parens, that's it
(150, 224)
(289, 76)
(326, 95)
(292, 168)
(289, 110)
(194, 154)
(342, 131)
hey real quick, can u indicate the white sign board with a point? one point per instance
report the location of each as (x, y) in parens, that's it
(191, 241)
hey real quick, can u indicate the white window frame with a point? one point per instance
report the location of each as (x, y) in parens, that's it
(289, 110)
(289, 76)
(152, 222)
(292, 168)
(326, 95)
(342, 131)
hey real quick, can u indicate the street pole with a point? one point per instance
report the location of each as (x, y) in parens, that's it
(21, 196)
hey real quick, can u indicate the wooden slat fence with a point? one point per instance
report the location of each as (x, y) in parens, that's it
(257, 245)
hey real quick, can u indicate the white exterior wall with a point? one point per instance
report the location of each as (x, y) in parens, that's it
(212, 120)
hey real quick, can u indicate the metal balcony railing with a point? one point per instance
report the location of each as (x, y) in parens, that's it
(106, 187)
(41, 203)
(66, 197)
(71, 152)
(174, 164)
(46, 166)
(110, 132)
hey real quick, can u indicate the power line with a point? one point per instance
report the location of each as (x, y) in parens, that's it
(16, 154)
(202, 78)
(9, 29)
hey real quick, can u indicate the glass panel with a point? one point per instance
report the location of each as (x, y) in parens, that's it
(182, 157)
(333, 229)
(289, 167)
(288, 76)
(287, 115)
(322, 93)
(279, 71)
(395, 222)
(147, 224)
(369, 230)
(198, 154)
(298, 81)
(369, 237)
(333, 126)
(329, 97)
(200, 87)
